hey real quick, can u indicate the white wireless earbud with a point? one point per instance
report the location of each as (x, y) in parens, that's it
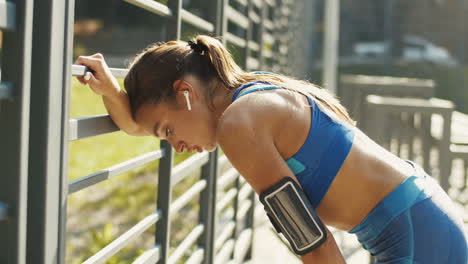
(187, 98)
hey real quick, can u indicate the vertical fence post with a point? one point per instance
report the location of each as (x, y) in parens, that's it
(261, 44)
(208, 207)
(445, 157)
(50, 84)
(164, 201)
(14, 132)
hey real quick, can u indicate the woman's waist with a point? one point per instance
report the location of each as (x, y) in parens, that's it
(357, 188)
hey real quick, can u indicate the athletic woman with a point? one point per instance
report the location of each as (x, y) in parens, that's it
(294, 144)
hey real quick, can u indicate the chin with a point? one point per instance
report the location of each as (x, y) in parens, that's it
(211, 148)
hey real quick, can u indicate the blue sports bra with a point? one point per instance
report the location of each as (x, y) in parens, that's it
(319, 159)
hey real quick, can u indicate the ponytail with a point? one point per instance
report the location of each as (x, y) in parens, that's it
(227, 70)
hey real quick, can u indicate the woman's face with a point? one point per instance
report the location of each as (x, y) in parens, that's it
(185, 130)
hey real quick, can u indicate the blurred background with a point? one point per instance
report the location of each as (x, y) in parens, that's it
(321, 41)
(419, 38)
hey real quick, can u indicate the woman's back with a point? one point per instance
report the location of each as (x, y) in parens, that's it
(367, 174)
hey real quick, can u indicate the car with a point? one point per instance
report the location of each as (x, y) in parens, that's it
(415, 49)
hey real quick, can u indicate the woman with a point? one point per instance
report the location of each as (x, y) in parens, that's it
(273, 128)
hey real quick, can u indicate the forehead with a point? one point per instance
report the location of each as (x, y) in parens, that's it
(148, 114)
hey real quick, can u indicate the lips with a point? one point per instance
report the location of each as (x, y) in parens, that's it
(192, 148)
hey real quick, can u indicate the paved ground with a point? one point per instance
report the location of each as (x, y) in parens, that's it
(269, 249)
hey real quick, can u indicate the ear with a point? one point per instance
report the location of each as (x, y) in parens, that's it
(180, 86)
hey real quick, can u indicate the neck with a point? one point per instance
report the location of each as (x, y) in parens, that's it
(221, 101)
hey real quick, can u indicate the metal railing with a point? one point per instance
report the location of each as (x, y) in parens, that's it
(34, 149)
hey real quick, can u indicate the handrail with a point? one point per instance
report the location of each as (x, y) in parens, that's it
(185, 198)
(90, 126)
(111, 249)
(409, 104)
(186, 243)
(7, 15)
(196, 21)
(225, 252)
(225, 200)
(197, 257)
(80, 70)
(237, 17)
(151, 6)
(102, 175)
(242, 245)
(240, 42)
(243, 209)
(185, 168)
(150, 256)
(225, 234)
(227, 178)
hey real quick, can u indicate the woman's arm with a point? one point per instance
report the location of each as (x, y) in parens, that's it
(115, 99)
(118, 107)
(245, 135)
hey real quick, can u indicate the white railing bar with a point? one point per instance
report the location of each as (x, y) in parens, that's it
(150, 256)
(267, 53)
(244, 208)
(245, 191)
(196, 257)
(186, 197)
(188, 166)
(196, 21)
(227, 178)
(227, 198)
(225, 252)
(269, 24)
(254, 17)
(225, 234)
(80, 70)
(6, 90)
(268, 38)
(252, 64)
(235, 39)
(242, 245)
(151, 6)
(186, 244)
(90, 126)
(113, 171)
(222, 161)
(116, 245)
(7, 15)
(254, 45)
(237, 17)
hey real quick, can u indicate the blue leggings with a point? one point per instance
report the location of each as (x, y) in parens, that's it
(416, 223)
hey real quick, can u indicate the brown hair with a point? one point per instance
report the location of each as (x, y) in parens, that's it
(155, 69)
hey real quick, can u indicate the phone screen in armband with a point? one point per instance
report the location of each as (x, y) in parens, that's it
(295, 217)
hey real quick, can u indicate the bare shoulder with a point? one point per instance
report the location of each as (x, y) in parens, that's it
(252, 116)
(246, 134)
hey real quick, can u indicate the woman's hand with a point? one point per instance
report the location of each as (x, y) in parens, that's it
(101, 79)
